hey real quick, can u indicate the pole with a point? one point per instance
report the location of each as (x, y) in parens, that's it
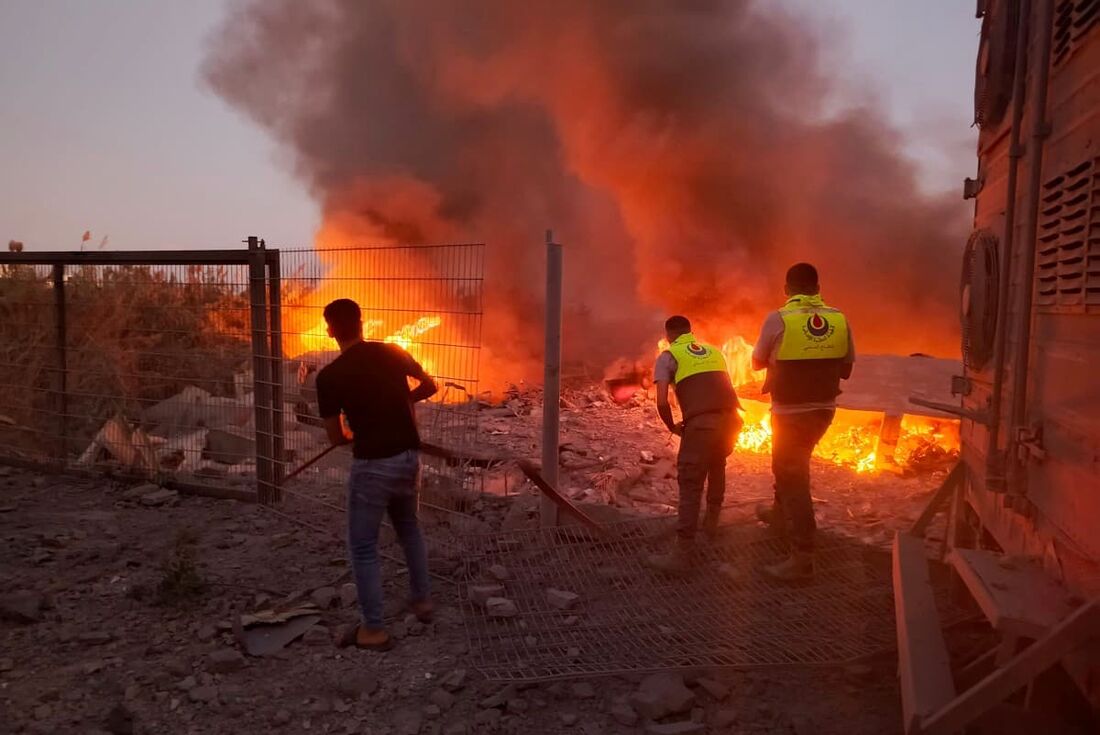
(551, 391)
(278, 372)
(62, 360)
(261, 368)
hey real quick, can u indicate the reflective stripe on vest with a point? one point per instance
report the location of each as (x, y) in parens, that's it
(812, 330)
(694, 357)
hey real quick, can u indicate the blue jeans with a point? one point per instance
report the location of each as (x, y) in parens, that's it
(377, 487)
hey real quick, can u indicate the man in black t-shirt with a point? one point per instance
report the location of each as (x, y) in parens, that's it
(368, 384)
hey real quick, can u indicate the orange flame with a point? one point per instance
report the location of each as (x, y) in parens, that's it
(852, 440)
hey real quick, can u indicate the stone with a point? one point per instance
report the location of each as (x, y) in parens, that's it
(139, 491)
(203, 694)
(456, 728)
(323, 597)
(454, 680)
(647, 457)
(432, 711)
(349, 594)
(187, 684)
(407, 722)
(480, 594)
(488, 717)
(583, 690)
(21, 607)
(499, 572)
(225, 661)
(716, 689)
(207, 633)
(6, 664)
(500, 607)
(499, 699)
(317, 635)
(660, 695)
(120, 721)
(160, 496)
(675, 728)
(95, 637)
(282, 717)
(356, 684)
(442, 699)
(724, 718)
(569, 718)
(624, 714)
(228, 447)
(698, 714)
(517, 705)
(561, 599)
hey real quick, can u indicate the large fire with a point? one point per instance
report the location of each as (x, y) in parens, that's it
(853, 439)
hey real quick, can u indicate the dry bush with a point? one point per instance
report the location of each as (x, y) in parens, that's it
(134, 335)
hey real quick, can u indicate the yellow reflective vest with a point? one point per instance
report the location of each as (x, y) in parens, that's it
(702, 382)
(809, 362)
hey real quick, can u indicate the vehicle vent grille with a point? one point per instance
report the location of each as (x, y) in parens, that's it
(1073, 19)
(1068, 262)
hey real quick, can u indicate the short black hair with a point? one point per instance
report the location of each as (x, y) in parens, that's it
(802, 278)
(344, 318)
(677, 324)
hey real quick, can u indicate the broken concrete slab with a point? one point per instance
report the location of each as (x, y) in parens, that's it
(716, 689)
(228, 447)
(499, 572)
(442, 699)
(266, 640)
(660, 695)
(349, 594)
(624, 714)
(561, 599)
(454, 681)
(323, 597)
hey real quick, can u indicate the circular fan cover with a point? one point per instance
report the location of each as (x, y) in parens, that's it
(978, 298)
(996, 62)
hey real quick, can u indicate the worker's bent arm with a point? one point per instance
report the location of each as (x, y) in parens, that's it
(335, 430)
(664, 410)
(425, 389)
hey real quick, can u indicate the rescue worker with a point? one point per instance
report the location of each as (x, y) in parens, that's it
(708, 430)
(807, 349)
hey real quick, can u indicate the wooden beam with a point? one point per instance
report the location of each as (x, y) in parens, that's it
(1018, 599)
(938, 500)
(1071, 633)
(923, 664)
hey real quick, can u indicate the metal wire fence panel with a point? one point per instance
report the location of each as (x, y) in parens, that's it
(426, 299)
(139, 368)
(627, 618)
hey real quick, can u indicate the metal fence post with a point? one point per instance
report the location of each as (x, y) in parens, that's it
(551, 390)
(261, 372)
(278, 372)
(61, 381)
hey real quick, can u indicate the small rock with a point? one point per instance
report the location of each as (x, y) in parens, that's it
(698, 714)
(561, 599)
(225, 661)
(494, 701)
(724, 718)
(349, 594)
(675, 728)
(624, 714)
(282, 717)
(570, 621)
(6, 664)
(42, 711)
(203, 694)
(120, 720)
(317, 635)
(499, 572)
(454, 681)
(716, 689)
(573, 653)
(159, 497)
(357, 684)
(530, 641)
(207, 633)
(480, 594)
(569, 718)
(661, 695)
(323, 597)
(139, 491)
(407, 722)
(517, 706)
(647, 457)
(488, 718)
(187, 684)
(21, 607)
(432, 711)
(583, 690)
(500, 607)
(456, 728)
(442, 699)
(95, 637)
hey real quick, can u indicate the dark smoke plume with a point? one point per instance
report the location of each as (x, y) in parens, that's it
(681, 150)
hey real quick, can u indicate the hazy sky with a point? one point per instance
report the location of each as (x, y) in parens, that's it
(106, 126)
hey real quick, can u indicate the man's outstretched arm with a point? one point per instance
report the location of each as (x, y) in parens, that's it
(664, 410)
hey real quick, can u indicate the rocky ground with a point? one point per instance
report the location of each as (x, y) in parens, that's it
(119, 606)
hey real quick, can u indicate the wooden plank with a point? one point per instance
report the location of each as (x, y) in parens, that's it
(558, 499)
(938, 500)
(923, 664)
(1071, 633)
(1018, 598)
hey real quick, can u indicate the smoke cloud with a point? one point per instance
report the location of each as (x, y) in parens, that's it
(682, 151)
